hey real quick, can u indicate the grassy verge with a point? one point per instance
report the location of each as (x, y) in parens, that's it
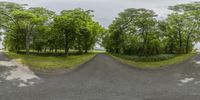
(154, 64)
(50, 62)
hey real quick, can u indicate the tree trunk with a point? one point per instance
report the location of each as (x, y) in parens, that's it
(66, 44)
(56, 50)
(180, 41)
(180, 45)
(117, 50)
(86, 51)
(79, 48)
(45, 49)
(187, 43)
(66, 51)
(27, 42)
(171, 48)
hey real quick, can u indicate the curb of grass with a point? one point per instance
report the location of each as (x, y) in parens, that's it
(117, 59)
(54, 71)
(60, 70)
(126, 64)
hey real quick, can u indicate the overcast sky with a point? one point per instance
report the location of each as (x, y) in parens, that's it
(105, 10)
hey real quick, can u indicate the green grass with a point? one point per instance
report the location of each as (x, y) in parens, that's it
(49, 62)
(146, 59)
(97, 51)
(154, 64)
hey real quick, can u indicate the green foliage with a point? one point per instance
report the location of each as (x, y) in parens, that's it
(79, 30)
(186, 7)
(156, 64)
(134, 32)
(138, 32)
(39, 29)
(146, 59)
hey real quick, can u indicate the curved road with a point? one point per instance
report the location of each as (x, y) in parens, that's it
(106, 79)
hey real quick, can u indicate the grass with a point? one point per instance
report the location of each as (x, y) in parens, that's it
(98, 51)
(146, 59)
(154, 64)
(49, 62)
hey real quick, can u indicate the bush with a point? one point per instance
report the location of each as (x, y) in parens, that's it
(146, 59)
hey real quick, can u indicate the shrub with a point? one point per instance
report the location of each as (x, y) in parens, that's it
(146, 59)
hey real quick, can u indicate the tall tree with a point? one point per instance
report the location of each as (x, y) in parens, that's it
(191, 16)
(67, 24)
(132, 27)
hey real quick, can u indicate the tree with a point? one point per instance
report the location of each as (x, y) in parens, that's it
(146, 23)
(181, 8)
(78, 28)
(42, 30)
(176, 23)
(117, 29)
(91, 35)
(26, 21)
(190, 18)
(65, 24)
(21, 23)
(132, 28)
(168, 36)
(133, 32)
(5, 10)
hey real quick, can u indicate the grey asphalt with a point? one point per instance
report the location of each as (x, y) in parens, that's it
(103, 78)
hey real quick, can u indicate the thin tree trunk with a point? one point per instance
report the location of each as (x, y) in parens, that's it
(86, 51)
(180, 41)
(187, 46)
(45, 49)
(180, 44)
(187, 43)
(27, 43)
(56, 49)
(66, 44)
(171, 48)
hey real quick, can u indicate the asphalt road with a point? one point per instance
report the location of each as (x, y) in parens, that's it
(106, 79)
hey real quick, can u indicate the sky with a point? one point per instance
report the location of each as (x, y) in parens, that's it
(105, 10)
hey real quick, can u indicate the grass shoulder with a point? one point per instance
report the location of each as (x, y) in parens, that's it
(50, 62)
(152, 64)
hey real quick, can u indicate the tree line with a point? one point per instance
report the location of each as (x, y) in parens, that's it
(134, 32)
(140, 32)
(40, 29)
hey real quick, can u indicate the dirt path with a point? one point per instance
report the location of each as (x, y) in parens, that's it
(105, 79)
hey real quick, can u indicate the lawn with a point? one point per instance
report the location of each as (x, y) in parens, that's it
(49, 62)
(154, 64)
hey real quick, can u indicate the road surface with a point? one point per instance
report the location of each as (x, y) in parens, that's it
(102, 78)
